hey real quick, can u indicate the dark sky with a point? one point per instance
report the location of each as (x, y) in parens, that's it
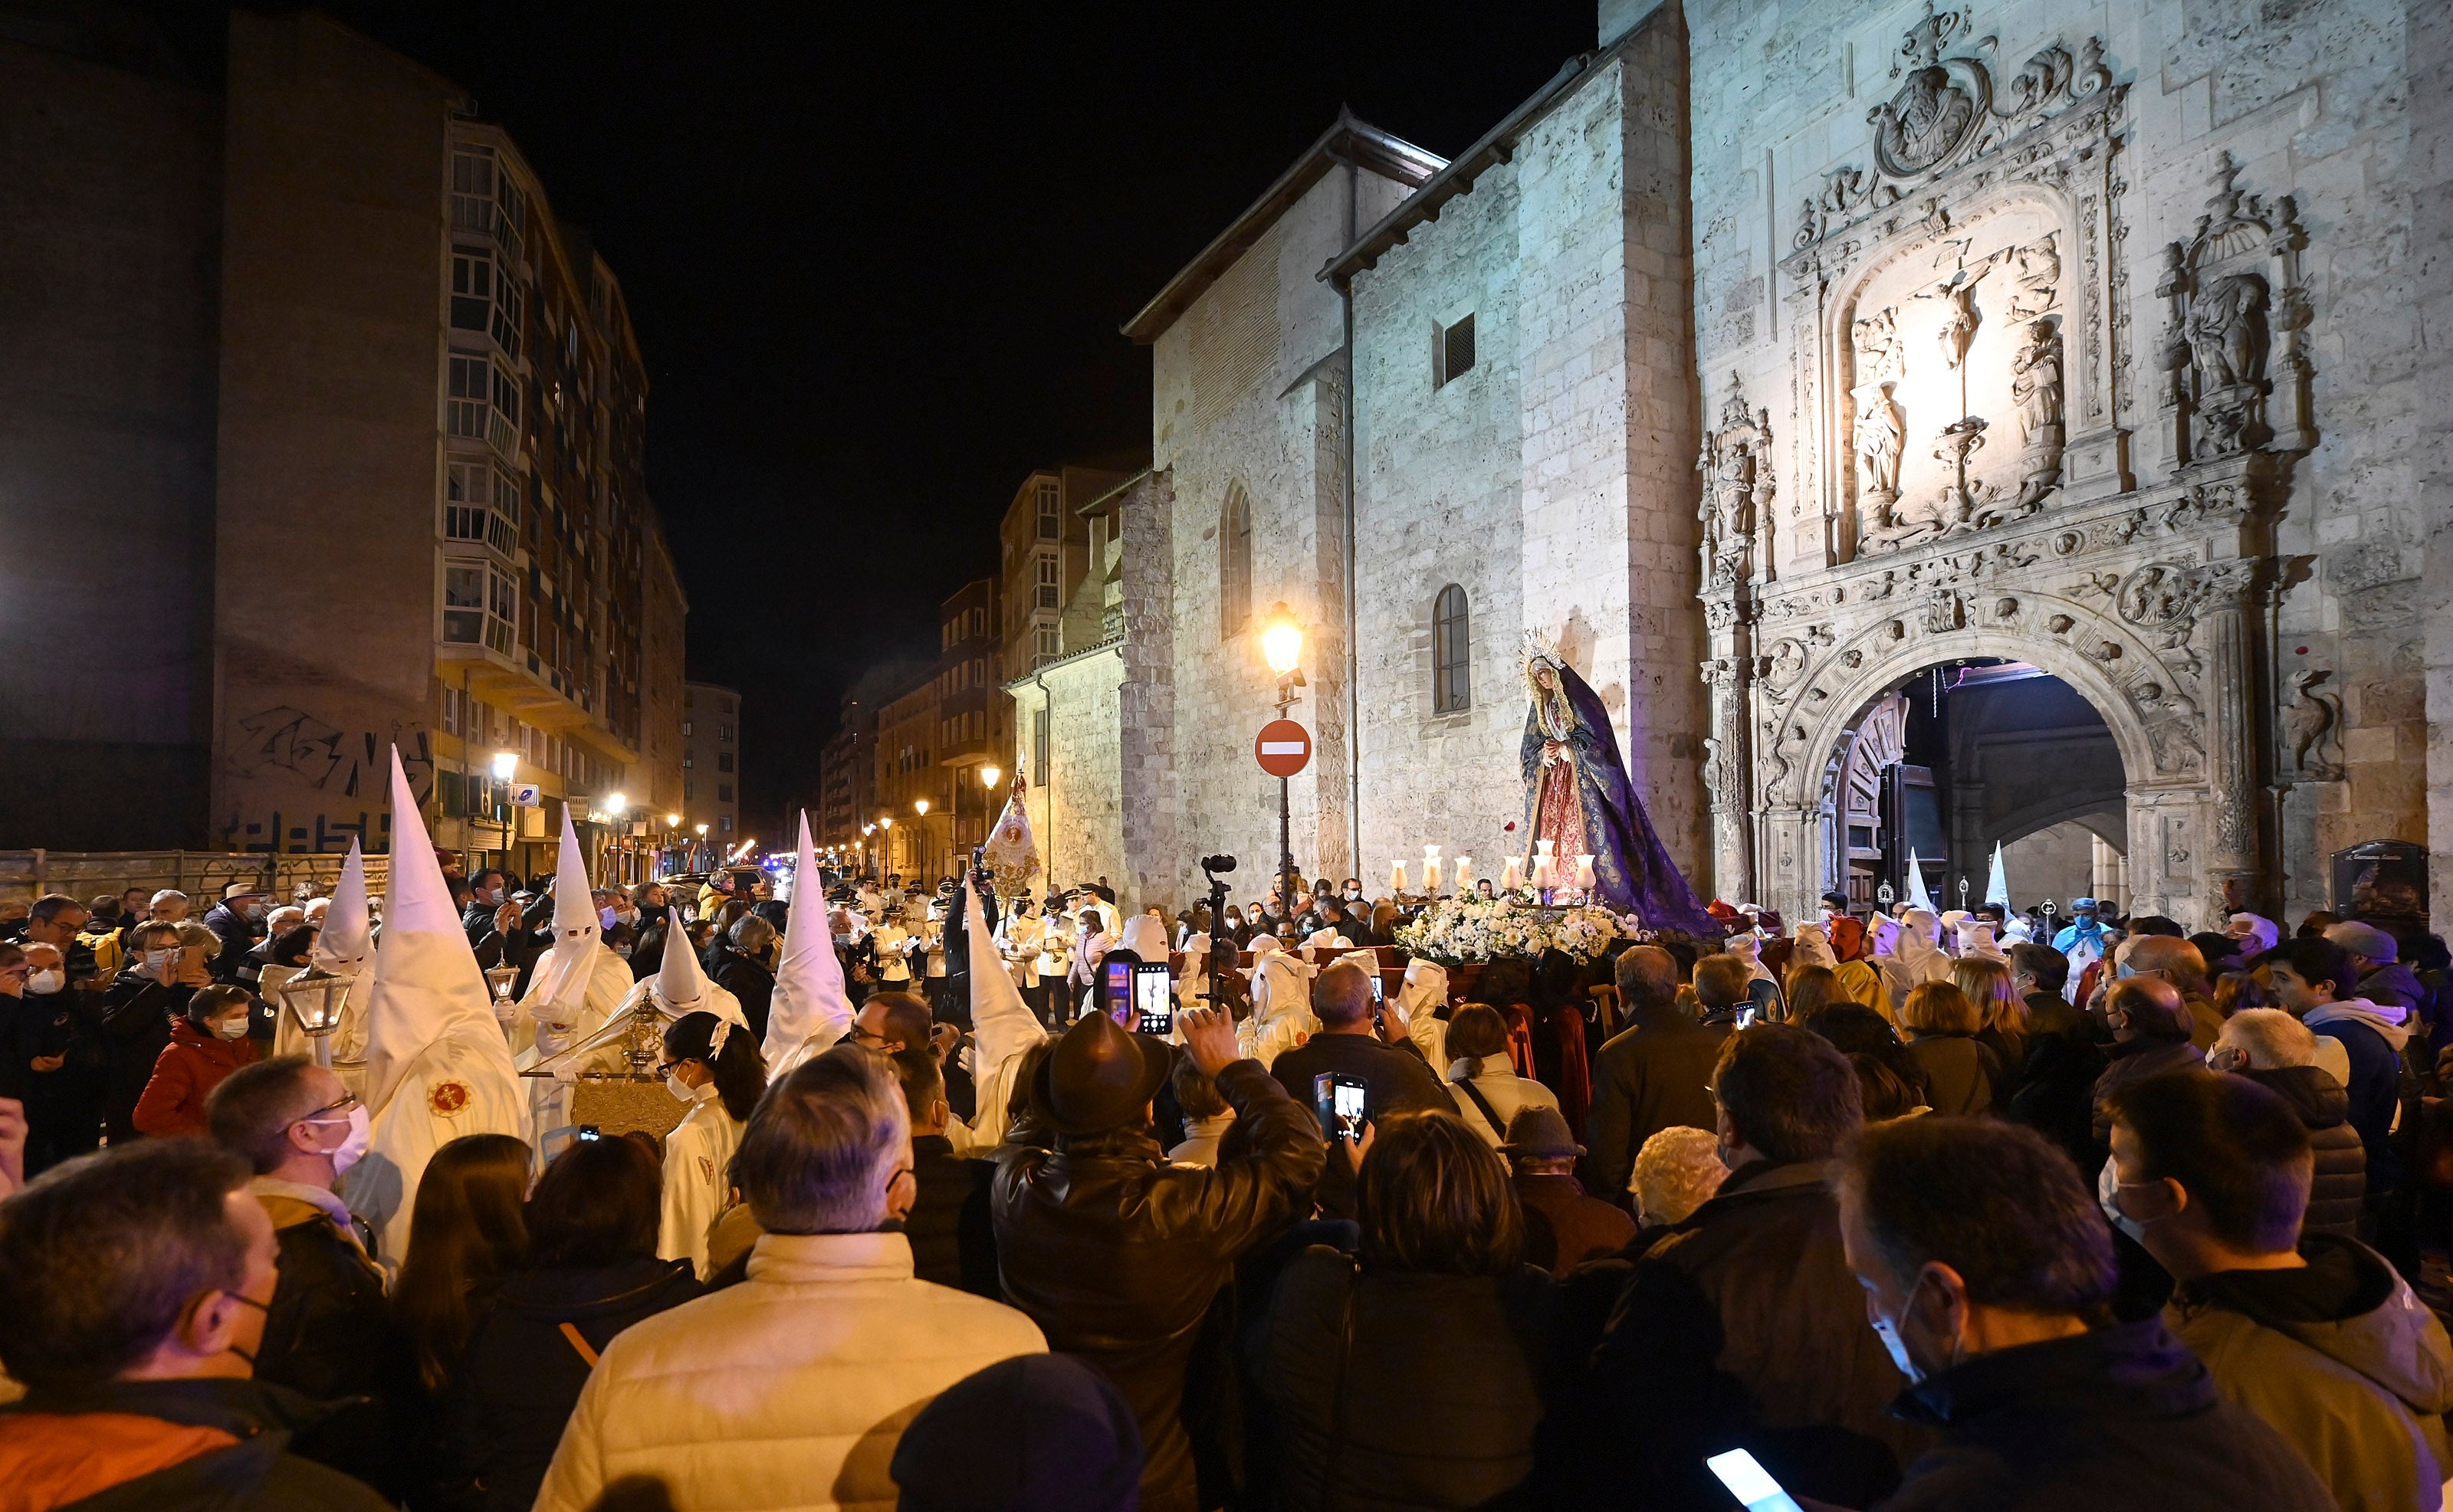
(876, 257)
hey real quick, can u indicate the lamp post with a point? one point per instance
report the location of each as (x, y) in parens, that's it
(1282, 639)
(886, 822)
(989, 775)
(507, 766)
(920, 830)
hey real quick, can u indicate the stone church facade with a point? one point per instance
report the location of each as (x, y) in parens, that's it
(1806, 346)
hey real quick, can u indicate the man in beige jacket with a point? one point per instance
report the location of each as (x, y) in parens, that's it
(792, 1388)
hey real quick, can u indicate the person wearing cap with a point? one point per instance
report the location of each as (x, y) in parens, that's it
(2376, 956)
(1117, 1254)
(1562, 1226)
(1036, 1433)
(237, 922)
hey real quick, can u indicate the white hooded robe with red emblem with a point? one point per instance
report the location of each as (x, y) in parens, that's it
(437, 1066)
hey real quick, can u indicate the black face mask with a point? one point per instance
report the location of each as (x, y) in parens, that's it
(249, 1355)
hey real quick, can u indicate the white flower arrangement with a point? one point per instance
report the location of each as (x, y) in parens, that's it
(1458, 930)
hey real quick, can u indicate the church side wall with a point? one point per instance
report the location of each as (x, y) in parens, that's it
(2314, 106)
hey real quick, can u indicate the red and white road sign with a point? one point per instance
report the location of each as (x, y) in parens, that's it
(1283, 747)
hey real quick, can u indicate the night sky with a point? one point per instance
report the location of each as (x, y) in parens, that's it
(877, 257)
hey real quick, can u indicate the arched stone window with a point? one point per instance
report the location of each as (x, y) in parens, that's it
(1234, 563)
(1451, 653)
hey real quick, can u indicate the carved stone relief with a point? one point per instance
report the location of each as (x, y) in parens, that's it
(1736, 464)
(2312, 724)
(2231, 288)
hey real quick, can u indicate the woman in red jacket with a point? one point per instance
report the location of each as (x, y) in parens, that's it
(208, 1043)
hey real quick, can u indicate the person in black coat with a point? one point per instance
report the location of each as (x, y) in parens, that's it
(1413, 1374)
(237, 922)
(2278, 1052)
(737, 962)
(953, 1232)
(1348, 1044)
(137, 1008)
(1987, 1269)
(591, 1271)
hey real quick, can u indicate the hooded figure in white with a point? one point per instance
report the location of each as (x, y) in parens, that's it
(1003, 1029)
(698, 1153)
(1146, 937)
(574, 989)
(1976, 942)
(437, 1069)
(680, 985)
(1282, 1015)
(1952, 921)
(344, 948)
(1915, 958)
(811, 1009)
(1420, 997)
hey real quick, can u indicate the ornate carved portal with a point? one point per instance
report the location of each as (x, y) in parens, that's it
(1961, 484)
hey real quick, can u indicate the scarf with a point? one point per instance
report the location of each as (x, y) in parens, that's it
(2390, 1019)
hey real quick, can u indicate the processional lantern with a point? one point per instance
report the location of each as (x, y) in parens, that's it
(316, 999)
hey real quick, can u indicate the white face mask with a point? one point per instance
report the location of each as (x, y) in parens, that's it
(682, 1091)
(607, 918)
(354, 1145)
(1888, 1330)
(48, 980)
(231, 1028)
(156, 960)
(2108, 1196)
(255, 912)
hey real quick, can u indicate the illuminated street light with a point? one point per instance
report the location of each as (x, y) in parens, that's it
(1282, 639)
(989, 776)
(702, 831)
(507, 766)
(617, 804)
(921, 807)
(886, 821)
(672, 820)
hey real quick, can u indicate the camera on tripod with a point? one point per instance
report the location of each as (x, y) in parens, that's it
(1217, 863)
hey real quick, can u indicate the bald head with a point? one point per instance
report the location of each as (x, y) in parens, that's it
(2267, 1040)
(2159, 952)
(2146, 1008)
(1342, 997)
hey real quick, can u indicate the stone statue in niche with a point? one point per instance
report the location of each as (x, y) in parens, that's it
(2232, 286)
(1960, 316)
(2036, 388)
(1880, 434)
(1736, 487)
(1932, 114)
(2039, 278)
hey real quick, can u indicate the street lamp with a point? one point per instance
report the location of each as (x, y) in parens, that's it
(616, 805)
(921, 807)
(1282, 639)
(507, 766)
(672, 820)
(989, 776)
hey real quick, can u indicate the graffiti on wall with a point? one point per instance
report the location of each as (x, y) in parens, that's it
(347, 769)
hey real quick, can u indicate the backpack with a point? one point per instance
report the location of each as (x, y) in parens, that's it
(110, 952)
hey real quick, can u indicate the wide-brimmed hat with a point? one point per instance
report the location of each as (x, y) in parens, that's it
(1101, 1076)
(1540, 1133)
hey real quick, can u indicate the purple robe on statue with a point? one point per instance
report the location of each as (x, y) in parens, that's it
(1577, 795)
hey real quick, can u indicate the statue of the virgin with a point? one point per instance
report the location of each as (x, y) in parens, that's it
(1578, 798)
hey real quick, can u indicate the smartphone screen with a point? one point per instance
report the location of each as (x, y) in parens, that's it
(1116, 989)
(1750, 1483)
(1379, 989)
(1341, 1103)
(1153, 997)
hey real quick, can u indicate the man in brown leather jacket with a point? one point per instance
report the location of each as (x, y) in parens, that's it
(1115, 1253)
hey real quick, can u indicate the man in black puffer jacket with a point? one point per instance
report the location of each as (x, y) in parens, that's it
(2278, 1052)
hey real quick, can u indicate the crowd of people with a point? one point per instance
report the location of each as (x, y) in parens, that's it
(1915, 1210)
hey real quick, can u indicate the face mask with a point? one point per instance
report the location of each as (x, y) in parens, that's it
(607, 918)
(1888, 1330)
(682, 1091)
(624, 951)
(156, 960)
(2108, 1196)
(255, 912)
(230, 1029)
(346, 1154)
(48, 980)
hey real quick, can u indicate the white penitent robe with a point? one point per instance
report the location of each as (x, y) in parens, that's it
(545, 1030)
(698, 1178)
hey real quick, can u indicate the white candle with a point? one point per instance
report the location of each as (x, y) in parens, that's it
(1431, 870)
(1397, 876)
(1465, 875)
(1512, 875)
(1543, 876)
(1585, 872)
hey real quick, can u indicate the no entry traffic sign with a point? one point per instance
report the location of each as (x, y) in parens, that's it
(1283, 747)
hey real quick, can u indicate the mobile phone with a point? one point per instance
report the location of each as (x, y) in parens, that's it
(1340, 1101)
(1116, 989)
(1750, 1483)
(1379, 990)
(588, 1131)
(1154, 998)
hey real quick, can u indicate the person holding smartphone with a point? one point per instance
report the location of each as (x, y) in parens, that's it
(1396, 1080)
(137, 1010)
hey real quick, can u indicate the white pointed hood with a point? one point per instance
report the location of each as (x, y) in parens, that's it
(428, 985)
(1918, 898)
(1146, 937)
(563, 982)
(1997, 882)
(810, 1011)
(682, 987)
(344, 946)
(437, 1066)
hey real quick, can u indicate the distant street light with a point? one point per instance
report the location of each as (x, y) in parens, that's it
(989, 776)
(1282, 639)
(507, 766)
(617, 804)
(921, 807)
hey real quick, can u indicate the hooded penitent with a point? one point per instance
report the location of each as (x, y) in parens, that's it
(1282, 1015)
(1918, 897)
(1997, 882)
(1976, 942)
(1420, 997)
(1003, 1028)
(811, 1009)
(680, 986)
(575, 989)
(437, 1066)
(1915, 959)
(1146, 937)
(344, 948)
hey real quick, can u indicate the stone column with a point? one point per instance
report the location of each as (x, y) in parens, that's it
(2229, 876)
(1793, 869)
(1726, 767)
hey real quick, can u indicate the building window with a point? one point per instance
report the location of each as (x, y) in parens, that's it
(689, 761)
(1047, 648)
(724, 760)
(724, 792)
(724, 822)
(685, 726)
(690, 788)
(1451, 653)
(1051, 524)
(473, 289)
(1234, 563)
(724, 733)
(463, 605)
(1049, 582)
(1452, 353)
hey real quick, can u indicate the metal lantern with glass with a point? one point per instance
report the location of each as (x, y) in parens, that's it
(316, 999)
